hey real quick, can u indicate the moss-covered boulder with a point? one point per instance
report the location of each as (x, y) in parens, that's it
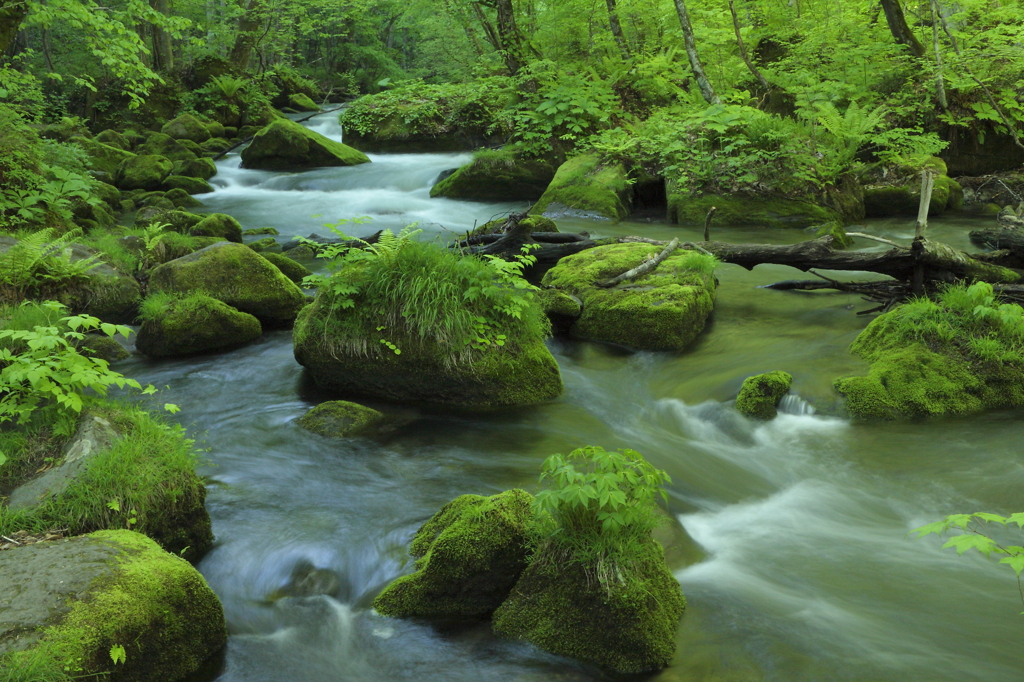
(663, 310)
(167, 146)
(627, 625)
(103, 157)
(286, 145)
(929, 358)
(102, 347)
(110, 195)
(105, 293)
(257, 231)
(174, 220)
(178, 325)
(69, 603)
(586, 186)
(186, 127)
(497, 176)
(147, 172)
(215, 145)
(301, 102)
(219, 225)
(562, 308)
(114, 139)
(265, 244)
(292, 269)
(532, 223)
(236, 275)
(468, 557)
(340, 419)
(735, 209)
(895, 189)
(760, 394)
(182, 199)
(202, 168)
(187, 184)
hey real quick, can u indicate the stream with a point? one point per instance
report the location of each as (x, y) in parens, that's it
(791, 543)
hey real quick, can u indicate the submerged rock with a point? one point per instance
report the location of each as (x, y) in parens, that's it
(468, 557)
(497, 176)
(236, 275)
(627, 625)
(584, 186)
(286, 145)
(307, 580)
(68, 603)
(195, 324)
(339, 419)
(760, 394)
(662, 310)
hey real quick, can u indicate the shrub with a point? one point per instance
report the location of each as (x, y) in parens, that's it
(40, 263)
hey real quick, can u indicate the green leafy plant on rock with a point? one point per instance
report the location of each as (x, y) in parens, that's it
(40, 261)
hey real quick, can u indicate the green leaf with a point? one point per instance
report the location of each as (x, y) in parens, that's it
(117, 654)
(968, 541)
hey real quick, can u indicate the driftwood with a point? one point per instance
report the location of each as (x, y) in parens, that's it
(999, 238)
(643, 268)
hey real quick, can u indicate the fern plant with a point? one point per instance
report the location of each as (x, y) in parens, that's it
(41, 261)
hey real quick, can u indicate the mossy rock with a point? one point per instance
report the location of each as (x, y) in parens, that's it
(762, 211)
(662, 310)
(182, 199)
(261, 245)
(584, 186)
(497, 176)
(628, 626)
(174, 220)
(496, 377)
(187, 184)
(215, 145)
(896, 190)
(99, 213)
(219, 225)
(114, 139)
(103, 157)
(339, 419)
(108, 193)
(532, 223)
(104, 293)
(760, 394)
(167, 146)
(285, 145)
(186, 127)
(202, 168)
(255, 231)
(146, 172)
(302, 102)
(102, 347)
(174, 245)
(563, 309)
(292, 269)
(840, 240)
(235, 275)
(195, 324)
(468, 557)
(215, 128)
(70, 602)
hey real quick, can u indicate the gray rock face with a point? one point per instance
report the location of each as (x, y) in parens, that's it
(94, 435)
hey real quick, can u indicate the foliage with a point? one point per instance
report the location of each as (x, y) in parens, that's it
(599, 507)
(41, 262)
(42, 367)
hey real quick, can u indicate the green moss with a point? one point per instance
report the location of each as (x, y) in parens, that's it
(840, 240)
(302, 102)
(499, 175)
(254, 231)
(219, 225)
(761, 393)
(627, 625)
(286, 145)
(106, 158)
(936, 358)
(895, 190)
(203, 168)
(175, 325)
(339, 419)
(293, 270)
(103, 347)
(469, 556)
(186, 127)
(181, 199)
(215, 145)
(533, 223)
(108, 193)
(584, 183)
(168, 147)
(146, 172)
(187, 184)
(149, 472)
(261, 245)
(663, 310)
(763, 211)
(114, 139)
(154, 604)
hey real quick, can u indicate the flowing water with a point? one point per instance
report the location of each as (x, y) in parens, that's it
(795, 558)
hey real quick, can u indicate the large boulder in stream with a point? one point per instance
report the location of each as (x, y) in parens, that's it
(497, 176)
(186, 324)
(236, 275)
(760, 394)
(691, 208)
(340, 419)
(285, 145)
(895, 189)
(585, 186)
(167, 146)
(219, 225)
(662, 310)
(468, 557)
(628, 626)
(69, 605)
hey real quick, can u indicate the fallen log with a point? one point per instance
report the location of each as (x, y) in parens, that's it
(999, 238)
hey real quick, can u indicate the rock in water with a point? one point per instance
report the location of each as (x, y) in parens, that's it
(196, 324)
(147, 172)
(497, 176)
(236, 275)
(469, 555)
(219, 225)
(339, 418)
(583, 186)
(285, 145)
(662, 310)
(760, 394)
(627, 625)
(66, 604)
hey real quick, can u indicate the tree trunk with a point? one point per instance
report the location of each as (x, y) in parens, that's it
(743, 50)
(245, 41)
(511, 41)
(898, 27)
(12, 13)
(613, 21)
(162, 39)
(691, 51)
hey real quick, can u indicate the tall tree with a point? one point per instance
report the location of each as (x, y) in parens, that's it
(613, 21)
(248, 32)
(162, 47)
(701, 77)
(509, 37)
(899, 28)
(743, 50)
(12, 13)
